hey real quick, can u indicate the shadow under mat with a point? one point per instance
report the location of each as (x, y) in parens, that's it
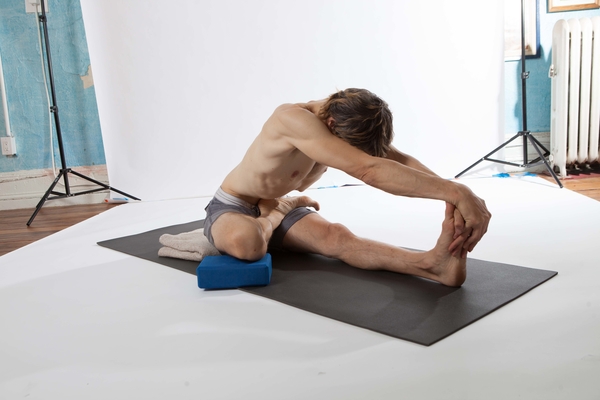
(402, 306)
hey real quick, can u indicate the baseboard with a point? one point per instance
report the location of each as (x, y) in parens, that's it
(24, 189)
(513, 152)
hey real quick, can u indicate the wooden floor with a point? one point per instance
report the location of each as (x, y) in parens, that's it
(589, 187)
(14, 232)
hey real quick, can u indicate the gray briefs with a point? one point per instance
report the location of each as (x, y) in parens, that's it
(224, 202)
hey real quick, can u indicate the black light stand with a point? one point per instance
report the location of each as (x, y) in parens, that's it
(64, 172)
(525, 134)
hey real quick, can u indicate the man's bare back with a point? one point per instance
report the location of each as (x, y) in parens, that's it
(293, 150)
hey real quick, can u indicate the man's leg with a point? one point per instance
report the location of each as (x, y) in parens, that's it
(246, 237)
(313, 234)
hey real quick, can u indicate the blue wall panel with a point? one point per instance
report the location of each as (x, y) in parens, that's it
(27, 103)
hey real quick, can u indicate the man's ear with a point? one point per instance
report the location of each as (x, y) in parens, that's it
(330, 123)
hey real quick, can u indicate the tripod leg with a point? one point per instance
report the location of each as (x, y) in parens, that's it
(104, 185)
(541, 146)
(123, 193)
(473, 165)
(534, 143)
(490, 153)
(45, 197)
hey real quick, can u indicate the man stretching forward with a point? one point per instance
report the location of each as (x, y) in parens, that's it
(351, 131)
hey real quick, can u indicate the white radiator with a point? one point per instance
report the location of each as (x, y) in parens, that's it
(575, 76)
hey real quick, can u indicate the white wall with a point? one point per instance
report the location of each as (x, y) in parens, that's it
(184, 86)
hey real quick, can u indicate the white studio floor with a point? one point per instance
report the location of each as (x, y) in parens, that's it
(83, 322)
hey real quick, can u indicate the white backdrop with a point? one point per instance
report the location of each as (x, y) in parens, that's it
(184, 86)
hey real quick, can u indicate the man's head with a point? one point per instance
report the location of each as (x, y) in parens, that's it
(360, 118)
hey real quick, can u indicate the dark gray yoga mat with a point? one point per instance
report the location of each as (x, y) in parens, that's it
(397, 305)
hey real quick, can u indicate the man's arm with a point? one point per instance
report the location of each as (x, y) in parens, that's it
(396, 155)
(308, 134)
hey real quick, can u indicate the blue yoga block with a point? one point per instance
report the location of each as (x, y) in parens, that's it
(226, 272)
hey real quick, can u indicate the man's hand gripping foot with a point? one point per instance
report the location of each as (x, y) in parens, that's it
(448, 269)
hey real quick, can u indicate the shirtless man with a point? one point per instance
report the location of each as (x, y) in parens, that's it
(351, 131)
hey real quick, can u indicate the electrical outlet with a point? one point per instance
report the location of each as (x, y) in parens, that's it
(34, 6)
(9, 147)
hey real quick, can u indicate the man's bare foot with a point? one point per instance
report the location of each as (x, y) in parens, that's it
(284, 205)
(447, 269)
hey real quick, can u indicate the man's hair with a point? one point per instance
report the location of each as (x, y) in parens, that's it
(361, 119)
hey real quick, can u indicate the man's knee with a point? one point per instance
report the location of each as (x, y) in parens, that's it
(336, 238)
(245, 241)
